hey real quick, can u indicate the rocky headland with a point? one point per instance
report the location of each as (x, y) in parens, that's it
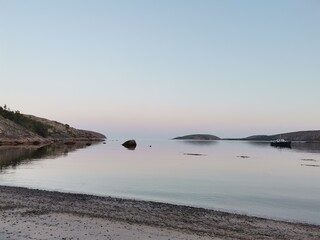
(17, 128)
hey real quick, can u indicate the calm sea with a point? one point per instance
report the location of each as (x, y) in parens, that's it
(244, 177)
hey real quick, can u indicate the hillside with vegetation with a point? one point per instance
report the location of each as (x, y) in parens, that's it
(311, 136)
(18, 128)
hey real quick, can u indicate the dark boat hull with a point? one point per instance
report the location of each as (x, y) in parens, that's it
(281, 144)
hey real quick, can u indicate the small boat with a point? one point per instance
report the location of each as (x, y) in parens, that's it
(281, 143)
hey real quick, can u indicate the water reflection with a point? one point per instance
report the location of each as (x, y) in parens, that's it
(310, 147)
(241, 176)
(258, 143)
(12, 156)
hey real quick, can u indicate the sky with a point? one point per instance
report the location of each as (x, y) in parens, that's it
(164, 68)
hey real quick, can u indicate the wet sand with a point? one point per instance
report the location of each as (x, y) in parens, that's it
(37, 214)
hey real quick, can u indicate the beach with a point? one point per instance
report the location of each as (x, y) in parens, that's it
(37, 214)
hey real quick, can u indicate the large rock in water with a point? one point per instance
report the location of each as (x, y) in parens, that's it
(130, 144)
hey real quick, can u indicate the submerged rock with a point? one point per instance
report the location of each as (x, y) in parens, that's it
(130, 144)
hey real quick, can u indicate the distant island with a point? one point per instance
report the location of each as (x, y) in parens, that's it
(17, 128)
(309, 136)
(197, 137)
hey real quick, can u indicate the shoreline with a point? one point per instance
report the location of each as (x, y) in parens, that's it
(40, 214)
(49, 141)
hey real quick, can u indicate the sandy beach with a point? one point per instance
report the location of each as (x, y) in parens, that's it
(38, 214)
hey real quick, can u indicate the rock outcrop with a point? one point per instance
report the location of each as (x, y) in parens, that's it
(130, 144)
(12, 133)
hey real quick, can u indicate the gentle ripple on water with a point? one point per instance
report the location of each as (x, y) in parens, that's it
(244, 177)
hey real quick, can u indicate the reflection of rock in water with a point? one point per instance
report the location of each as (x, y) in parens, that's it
(11, 156)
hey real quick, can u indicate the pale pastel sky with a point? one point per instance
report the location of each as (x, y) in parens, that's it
(164, 68)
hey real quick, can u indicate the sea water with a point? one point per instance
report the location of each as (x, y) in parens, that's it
(250, 178)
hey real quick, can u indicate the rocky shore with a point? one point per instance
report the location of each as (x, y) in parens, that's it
(32, 130)
(37, 214)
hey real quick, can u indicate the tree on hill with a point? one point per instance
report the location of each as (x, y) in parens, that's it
(30, 124)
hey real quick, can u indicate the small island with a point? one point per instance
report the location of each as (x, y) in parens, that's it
(299, 136)
(198, 137)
